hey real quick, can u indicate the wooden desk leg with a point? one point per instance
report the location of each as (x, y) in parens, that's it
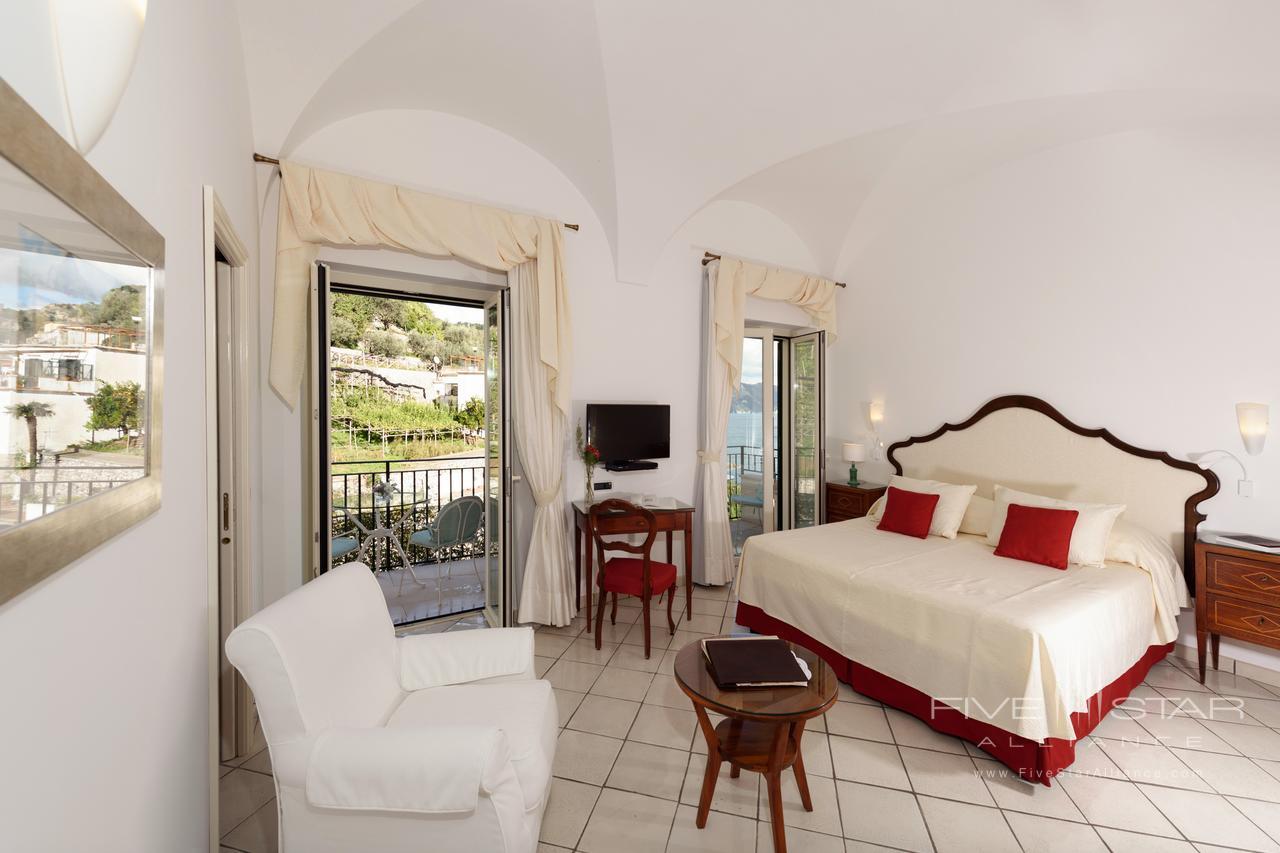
(669, 546)
(773, 777)
(713, 766)
(1201, 636)
(590, 576)
(577, 566)
(688, 565)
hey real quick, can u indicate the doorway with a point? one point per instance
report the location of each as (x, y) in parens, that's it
(775, 435)
(410, 446)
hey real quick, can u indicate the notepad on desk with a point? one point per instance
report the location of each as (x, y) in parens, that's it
(753, 661)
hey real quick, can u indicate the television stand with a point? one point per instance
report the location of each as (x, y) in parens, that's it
(631, 465)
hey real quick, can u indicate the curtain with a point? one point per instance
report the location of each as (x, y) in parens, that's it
(546, 594)
(713, 550)
(326, 208)
(319, 207)
(729, 282)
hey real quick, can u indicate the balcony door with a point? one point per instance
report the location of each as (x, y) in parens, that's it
(775, 434)
(410, 455)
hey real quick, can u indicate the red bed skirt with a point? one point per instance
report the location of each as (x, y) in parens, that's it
(1035, 762)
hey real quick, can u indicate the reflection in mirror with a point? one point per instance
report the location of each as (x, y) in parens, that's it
(74, 336)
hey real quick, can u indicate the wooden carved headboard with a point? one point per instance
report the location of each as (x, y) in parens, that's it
(1024, 443)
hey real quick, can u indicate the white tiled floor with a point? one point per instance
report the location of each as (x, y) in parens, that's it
(1184, 767)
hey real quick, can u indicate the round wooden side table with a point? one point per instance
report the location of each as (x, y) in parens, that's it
(761, 730)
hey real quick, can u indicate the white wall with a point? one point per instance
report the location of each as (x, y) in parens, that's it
(106, 690)
(631, 342)
(1129, 280)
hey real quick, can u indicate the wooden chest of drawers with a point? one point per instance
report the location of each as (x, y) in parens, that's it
(845, 502)
(1238, 596)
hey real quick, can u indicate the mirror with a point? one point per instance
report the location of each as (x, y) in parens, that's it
(79, 354)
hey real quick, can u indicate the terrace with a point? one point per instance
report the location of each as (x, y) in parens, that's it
(437, 584)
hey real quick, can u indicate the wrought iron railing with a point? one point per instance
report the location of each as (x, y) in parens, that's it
(27, 493)
(422, 488)
(744, 490)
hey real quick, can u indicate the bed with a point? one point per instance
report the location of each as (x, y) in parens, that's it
(1020, 659)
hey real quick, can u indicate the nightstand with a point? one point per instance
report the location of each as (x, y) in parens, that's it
(845, 502)
(1238, 596)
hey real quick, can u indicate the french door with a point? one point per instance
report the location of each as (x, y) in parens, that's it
(776, 435)
(410, 460)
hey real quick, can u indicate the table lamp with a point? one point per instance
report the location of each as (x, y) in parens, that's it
(853, 454)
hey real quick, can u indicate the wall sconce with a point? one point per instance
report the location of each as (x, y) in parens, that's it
(875, 417)
(1253, 419)
(853, 453)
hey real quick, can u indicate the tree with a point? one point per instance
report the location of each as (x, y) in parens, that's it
(30, 412)
(343, 333)
(118, 307)
(356, 310)
(115, 406)
(383, 343)
(472, 414)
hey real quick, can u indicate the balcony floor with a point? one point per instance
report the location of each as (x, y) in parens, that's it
(459, 589)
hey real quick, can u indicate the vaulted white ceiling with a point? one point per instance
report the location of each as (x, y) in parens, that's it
(836, 115)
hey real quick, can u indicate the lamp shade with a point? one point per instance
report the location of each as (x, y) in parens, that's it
(1254, 419)
(853, 452)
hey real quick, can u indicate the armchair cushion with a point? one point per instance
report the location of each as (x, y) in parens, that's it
(434, 660)
(524, 710)
(435, 770)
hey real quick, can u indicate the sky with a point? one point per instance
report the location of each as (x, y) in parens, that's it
(751, 367)
(457, 313)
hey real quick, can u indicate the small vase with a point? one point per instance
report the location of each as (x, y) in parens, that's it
(591, 486)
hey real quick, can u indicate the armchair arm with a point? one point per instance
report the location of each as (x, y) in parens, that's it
(434, 660)
(436, 770)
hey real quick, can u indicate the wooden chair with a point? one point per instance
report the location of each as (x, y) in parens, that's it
(639, 576)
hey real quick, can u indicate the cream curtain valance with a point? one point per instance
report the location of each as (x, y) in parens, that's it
(326, 208)
(737, 279)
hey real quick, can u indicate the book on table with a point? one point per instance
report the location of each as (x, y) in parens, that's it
(753, 661)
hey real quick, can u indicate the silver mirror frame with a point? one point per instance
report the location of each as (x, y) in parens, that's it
(34, 550)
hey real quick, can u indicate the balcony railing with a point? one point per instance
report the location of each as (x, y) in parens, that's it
(27, 493)
(423, 486)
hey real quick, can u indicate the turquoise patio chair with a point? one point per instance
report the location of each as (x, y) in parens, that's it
(457, 523)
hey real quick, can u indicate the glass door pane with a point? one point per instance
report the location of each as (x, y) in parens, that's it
(745, 448)
(495, 592)
(806, 430)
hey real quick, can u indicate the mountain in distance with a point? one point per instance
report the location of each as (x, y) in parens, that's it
(749, 397)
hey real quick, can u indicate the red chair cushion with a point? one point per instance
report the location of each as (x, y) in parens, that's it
(1037, 534)
(625, 575)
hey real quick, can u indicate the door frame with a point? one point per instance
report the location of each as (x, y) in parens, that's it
(220, 237)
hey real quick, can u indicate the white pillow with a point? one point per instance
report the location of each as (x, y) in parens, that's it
(1088, 537)
(977, 517)
(952, 502)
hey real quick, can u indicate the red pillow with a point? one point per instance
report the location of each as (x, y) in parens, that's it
(1037, 534)
(909, 513)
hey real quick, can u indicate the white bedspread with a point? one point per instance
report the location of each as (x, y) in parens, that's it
(1016, 644)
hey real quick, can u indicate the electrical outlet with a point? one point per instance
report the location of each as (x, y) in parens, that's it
(1246, 488)
(603, 487)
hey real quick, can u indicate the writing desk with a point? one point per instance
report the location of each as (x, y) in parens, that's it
(669, 520)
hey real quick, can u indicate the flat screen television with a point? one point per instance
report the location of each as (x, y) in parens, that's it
(629, 434)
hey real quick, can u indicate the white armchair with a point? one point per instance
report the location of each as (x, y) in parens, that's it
(428, 742)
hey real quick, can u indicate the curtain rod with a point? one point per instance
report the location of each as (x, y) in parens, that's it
(262, 158)
(708, 257)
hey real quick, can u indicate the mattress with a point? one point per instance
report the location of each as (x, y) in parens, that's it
(1014, 644)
